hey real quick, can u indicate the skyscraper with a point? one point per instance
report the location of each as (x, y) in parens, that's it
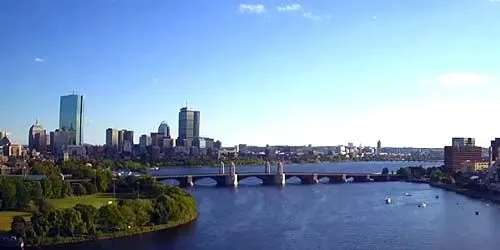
(112, 137)
(71, 117)
(379, 147)
(189, 126)
(164, 129)
(37, 138)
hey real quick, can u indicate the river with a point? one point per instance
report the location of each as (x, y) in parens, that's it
(324, 216)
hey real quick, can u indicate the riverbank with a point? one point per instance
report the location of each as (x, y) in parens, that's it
(107, 236)
(495, 198)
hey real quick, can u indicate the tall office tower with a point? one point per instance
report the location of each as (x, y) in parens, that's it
(164, 129)
(189, 126)
(71, 117)
(37, 138)
(112, 137)
(379, 147)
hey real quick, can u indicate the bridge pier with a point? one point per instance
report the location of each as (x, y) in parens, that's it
(310, 179)
(279, 179)
(186, 181)
(361, 178)
(231, 180)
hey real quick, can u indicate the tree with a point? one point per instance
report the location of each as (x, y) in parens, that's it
(47, 188)
(89, 215)
(71, 221)
(36, 191)
(128, 216)
(66, 189)
(56, 186)
(7, 194)
(90, 188)
(102, 180)
(436, 174)
(44, 206)
(56, 222)
(79, 189)
(40, 224)
(405, 172)
(385, 171)
(141, 210)
(18, 226)
(110, 218)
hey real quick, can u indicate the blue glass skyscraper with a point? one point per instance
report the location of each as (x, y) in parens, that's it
(71, 117)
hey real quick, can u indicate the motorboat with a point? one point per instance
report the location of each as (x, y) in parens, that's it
(407, 194)
(388, 200)
(422, 204)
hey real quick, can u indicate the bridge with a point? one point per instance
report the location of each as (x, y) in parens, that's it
(279, 178)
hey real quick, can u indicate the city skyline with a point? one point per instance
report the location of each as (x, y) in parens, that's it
(407, 72)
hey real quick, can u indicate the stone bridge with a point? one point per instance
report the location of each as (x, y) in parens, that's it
(232, 179)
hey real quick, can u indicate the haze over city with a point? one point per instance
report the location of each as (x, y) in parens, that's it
(269, 72)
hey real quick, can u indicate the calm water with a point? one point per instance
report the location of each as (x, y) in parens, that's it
(326, 216)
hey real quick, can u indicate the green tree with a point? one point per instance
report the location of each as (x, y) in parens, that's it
(44, 206)
(56, 222)
(18, 226)
(47, 188)
(103, 179)
(66, 189)
(79, 189)
(40, 225)
(22, 194)
(141, 209)
(36, 191)
(7, 194)
(89, 216)
(90, 188)
(385, 171)
(436, 174)
(71, 221)
(110, 218)
(405, 172)
(56, 186)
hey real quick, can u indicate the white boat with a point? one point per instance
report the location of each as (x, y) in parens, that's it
(388, 200)
(422, 204)
(407, 194)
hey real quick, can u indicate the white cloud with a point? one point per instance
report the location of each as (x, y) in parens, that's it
(458, 79)
(39, 60)
(289, 8)
(314, 17)
(252, 8)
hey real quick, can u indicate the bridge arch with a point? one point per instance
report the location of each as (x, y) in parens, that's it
(206, 180)
(251, 180)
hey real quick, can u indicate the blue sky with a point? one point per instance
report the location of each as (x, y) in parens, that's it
(406, 72)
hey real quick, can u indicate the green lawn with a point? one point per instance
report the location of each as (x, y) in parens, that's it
(96, 200)
(6, 219)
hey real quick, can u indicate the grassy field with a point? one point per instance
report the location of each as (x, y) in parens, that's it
(6, 219)
(96, 200)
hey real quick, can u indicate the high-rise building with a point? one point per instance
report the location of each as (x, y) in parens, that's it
(144, 141)
(463, 141)
(128, 136)
(463, 150)
(164, 129)
(112, 137)
(4, 134)
(495, 145)
(71, 117)
(189, 126)
(37, 138)
(379, 146)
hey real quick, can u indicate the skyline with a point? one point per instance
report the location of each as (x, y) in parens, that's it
(270, 72)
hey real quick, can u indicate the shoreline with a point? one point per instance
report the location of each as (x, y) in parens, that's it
(109, 236)
(467, 192)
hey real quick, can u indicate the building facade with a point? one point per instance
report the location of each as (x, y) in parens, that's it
(112, 138)
(71, 117)
(462, 150)
(495, 145)
(37, 138)
(164, 129)
(189, 126)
